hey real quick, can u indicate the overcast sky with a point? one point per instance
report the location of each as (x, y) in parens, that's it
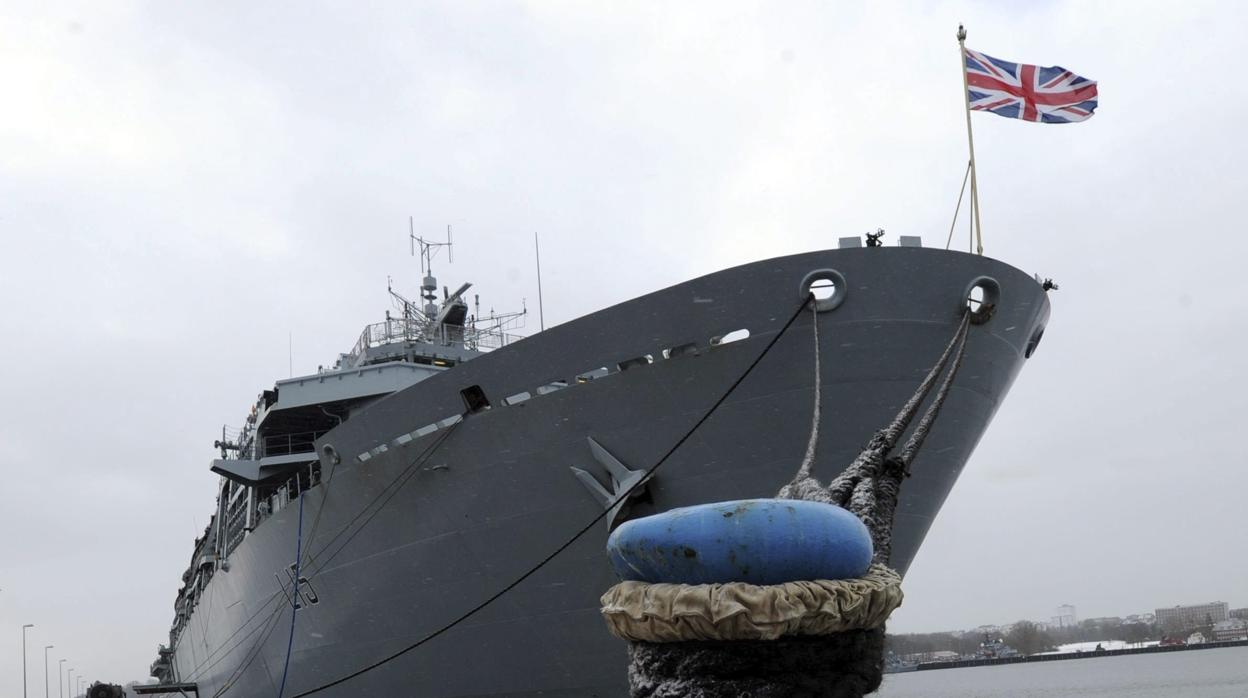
(181, 190)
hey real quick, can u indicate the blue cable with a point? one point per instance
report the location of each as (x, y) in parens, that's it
(294, 596)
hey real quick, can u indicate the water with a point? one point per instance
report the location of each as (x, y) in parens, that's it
(1220, 673)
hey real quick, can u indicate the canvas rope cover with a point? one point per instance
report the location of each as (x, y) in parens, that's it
(638, 611)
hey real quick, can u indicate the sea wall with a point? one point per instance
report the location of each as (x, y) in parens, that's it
(1078, 655)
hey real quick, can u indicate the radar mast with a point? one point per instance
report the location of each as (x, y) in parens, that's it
(446, 321)
(429, 250)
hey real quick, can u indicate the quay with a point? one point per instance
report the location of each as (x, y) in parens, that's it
(1062, 656)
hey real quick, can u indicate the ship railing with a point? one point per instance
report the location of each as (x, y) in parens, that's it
(236, 518)
(410, 330)
(284, 444)
(243, 438)
(282, 495)
(387, 332)
(486, 340)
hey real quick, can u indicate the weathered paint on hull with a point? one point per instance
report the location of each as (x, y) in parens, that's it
(497, 496)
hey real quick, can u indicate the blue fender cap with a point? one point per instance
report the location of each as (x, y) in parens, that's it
(758, 541)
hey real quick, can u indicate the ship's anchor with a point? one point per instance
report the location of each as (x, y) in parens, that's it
(622, 480)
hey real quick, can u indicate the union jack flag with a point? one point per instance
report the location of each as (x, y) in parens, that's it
(1050, 95)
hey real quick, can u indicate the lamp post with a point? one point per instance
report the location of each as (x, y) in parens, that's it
(24, 629)
(80, 682)
(60, 678)
(69, 680)
(46, 684)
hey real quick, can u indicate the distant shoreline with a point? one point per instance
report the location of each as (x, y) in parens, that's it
(961, 663)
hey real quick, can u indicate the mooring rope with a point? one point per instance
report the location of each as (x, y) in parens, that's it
(387, 493)
(858, 488)
(870, 485)
(294, 597)
(584, 529)
(640, 611)
(808, 460)
(897, 468)
(720, 640)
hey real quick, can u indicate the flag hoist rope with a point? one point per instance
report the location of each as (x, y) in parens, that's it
(958, 207)
(970, 139)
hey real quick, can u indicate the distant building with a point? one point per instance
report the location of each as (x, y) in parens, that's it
(1240, 613)
(1064, 617)
(1193, 616)
(1227, 630)
(1196, 639)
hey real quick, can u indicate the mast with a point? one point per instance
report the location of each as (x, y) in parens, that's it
(541, 314)
(429, 250)
(970, 139)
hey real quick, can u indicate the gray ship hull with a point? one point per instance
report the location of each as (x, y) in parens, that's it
(400, 544)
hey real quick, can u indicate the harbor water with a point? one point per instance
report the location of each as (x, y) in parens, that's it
(1215, 673)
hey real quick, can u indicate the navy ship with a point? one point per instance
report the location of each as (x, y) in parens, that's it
(428, 516)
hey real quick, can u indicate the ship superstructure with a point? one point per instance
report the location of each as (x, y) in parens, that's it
(271, 459)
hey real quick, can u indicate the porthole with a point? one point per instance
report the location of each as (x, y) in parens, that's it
(827, 286)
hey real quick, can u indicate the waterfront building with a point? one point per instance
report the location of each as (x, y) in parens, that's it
(1227, 630)
(1240, 613)
(1145, 618)
(1064, 617)
(937, 656)
(1193, 616)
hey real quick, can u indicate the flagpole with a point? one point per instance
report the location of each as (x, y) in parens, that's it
(970, 139)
